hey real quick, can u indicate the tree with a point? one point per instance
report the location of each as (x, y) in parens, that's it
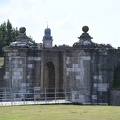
(8, 35)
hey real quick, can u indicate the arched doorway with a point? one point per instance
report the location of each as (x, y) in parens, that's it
(51, 79)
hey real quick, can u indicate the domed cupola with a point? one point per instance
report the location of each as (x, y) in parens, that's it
(47, 34)
(47, 38)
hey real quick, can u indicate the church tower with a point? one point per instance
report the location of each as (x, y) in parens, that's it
(47, 38)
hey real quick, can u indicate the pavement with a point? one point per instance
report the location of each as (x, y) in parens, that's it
(15, 103)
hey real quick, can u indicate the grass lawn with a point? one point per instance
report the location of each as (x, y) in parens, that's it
(60, 112)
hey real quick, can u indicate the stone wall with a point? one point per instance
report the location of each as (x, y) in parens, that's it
(78, 75)
(2, 72)
(86, 76)
(22, 69)
(115, 97)
(87, 73)
(84, 72)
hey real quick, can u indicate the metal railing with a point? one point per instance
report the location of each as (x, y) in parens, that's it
(35, 95)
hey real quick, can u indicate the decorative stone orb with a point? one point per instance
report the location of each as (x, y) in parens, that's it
(22, 30)
(85, 29)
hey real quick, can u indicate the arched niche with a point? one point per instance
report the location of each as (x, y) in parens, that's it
(51, 75)
(51, 79)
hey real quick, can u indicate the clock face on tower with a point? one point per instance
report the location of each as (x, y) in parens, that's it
(48, 44)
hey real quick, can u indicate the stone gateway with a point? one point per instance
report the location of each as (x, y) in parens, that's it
(89, 71)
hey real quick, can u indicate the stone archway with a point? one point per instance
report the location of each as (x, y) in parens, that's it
(51, 79)
(51, 75)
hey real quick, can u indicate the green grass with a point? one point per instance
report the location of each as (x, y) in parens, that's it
(1, 61)
(60, 112)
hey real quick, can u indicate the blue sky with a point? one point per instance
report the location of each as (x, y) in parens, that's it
(65, 19)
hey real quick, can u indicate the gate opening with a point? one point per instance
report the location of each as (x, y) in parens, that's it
(51, 80)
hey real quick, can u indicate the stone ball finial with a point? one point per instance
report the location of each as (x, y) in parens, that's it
(22, 30)
(85, 29)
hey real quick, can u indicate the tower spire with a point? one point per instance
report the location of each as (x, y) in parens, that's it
(47, 38)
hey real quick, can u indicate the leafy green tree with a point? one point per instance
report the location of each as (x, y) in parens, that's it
(2, 37)
(8, 35)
